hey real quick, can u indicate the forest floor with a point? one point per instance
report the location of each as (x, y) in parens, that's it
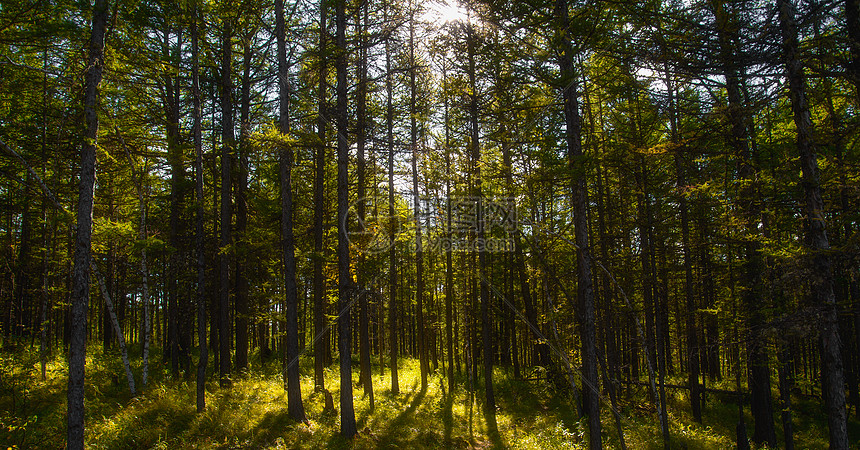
(253, 413)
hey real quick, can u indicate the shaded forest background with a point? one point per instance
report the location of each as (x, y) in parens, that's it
(620, 202)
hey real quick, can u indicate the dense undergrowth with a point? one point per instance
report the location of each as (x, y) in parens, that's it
(253, 413)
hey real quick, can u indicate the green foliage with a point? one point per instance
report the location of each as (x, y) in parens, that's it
(253, 413)
(625, 54)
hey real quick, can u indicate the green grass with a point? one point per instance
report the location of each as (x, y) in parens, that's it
(253, 413)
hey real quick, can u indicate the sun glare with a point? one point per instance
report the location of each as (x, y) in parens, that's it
(442, 11)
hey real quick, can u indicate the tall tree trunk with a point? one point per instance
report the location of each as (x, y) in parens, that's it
(321, 333)
(419, 249)
(177, 182)
(227, 149)
(540, 350)
(346, 286)
(47, 253)
(199, 238)
(449, 270)
(242, 287)
(759, 372)
(680, 184)
(392, 250)
(215, 306)
(649, 299)
(692, 311)
(361, 138)
(786, 384)
(110, 281)
(83, 234)
(144, 271)
(821, 281)
(295, 406)
(139, 179)
(585, 289)
(21, 295)
(848, 290)
(483, 274)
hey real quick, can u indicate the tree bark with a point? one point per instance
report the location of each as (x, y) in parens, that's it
(449, 270)
(483, 274)
(392, 250)
(419, 248)
(295, 407)
(83, 233)
(752, 299)
(680, 184)
(345, 284)
(321, 333)
(116, 328)
(585, 289)
(147, 322)
(177, 183)
(786, 384)
(227, 149)
(361, 138)
(199, 238)
(242, 287)
(821, 282)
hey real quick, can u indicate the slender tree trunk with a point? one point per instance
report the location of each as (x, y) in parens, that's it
(107, 337)
(680, 184)
(392, 251)
(49, 231)
(116, 328)
(449, 270)
(346, 286)
(759, 373)
(661, 353)
(242, 287)
(83, 235)
(199, 238)
(142, 235)
(295, 406)
(215, 308)
(144, 270)
(361, 138)
(821, 281)
(43, 310)
(483, 273)
(227, 149)
(21, 295)
(648, 293)
(585, 290)
(786, 384)
(321, 341)
(177, 182)
(419, 249)
(540, 350)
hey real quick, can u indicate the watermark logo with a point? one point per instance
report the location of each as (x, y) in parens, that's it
(471, 224)
(371, 229)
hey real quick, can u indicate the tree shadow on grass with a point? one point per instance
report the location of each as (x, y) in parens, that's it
(493, 428)
(394, 431)
(159, 420)
(448, 417)
(271, 426)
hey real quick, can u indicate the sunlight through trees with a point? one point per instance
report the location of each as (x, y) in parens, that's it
(526, 224)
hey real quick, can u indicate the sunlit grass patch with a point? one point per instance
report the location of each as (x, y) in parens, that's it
(534, 414)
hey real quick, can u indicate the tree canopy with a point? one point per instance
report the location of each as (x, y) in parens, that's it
(643, 205)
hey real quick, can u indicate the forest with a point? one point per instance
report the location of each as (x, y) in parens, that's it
(430, 224)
